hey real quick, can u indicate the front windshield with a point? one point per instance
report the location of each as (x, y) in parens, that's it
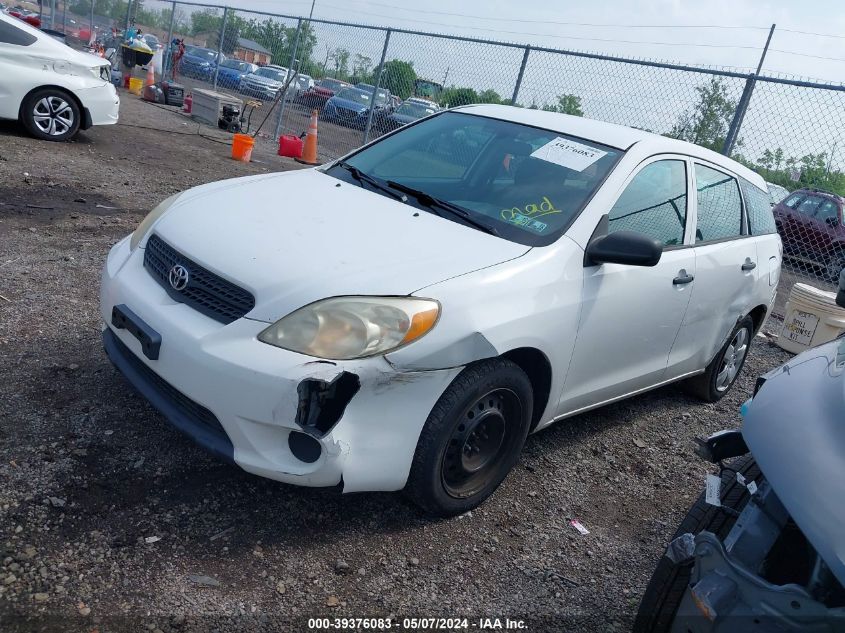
(527, 183)
(331, 84)
(272, 73)
(416, 110)
(353, 94)
(204, 52)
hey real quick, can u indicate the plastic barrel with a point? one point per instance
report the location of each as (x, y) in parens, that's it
(812, 318)
(242, 145)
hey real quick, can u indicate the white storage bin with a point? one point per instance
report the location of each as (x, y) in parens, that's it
(812, 318)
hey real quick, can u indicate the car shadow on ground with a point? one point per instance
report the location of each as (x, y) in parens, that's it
(129, 471)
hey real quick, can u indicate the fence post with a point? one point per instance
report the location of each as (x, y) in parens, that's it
(744, 100)
(64, 16)
(291, 69)
(519, 76)
(168, 54)
(739, 115)
(220, 45)
(128, 13)
(375, 89)
(91, 29)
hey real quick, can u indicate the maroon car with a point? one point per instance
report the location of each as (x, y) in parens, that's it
(322, 91)
(810, 225)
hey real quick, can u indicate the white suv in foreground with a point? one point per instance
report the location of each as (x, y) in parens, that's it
(405, 316)
(52, 89)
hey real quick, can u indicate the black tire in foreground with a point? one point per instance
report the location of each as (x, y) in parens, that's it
(723, 370)
(51, 114)
(472, 438)
(666, 588)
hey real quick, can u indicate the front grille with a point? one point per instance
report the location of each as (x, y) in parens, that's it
(194, 411)
(206, 292)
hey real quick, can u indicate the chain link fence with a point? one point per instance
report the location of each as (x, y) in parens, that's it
(365, 81)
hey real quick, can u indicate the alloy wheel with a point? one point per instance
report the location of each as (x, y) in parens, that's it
(53, 115)
(732, 360)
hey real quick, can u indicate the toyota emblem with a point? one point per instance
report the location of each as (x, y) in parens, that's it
(178, 277)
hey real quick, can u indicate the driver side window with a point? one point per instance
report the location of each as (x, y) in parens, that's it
(654, 203)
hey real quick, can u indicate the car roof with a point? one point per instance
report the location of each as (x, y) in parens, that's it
(611, 134)
(820, 192)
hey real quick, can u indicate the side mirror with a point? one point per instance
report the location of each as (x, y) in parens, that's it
(624, 247)
(840, 293)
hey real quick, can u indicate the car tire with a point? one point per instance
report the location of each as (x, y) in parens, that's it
(665, 590)
(472, 438)
(722, 372)
(834, 264)
(51, 114)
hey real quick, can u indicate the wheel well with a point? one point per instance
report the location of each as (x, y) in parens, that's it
(65, 90)
(758, 315)
(539, 371)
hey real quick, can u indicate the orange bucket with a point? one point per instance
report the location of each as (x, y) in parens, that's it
(242, 145)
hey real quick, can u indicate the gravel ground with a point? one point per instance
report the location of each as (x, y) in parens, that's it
(110, 520)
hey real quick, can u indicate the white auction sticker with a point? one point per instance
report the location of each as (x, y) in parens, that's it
(712, 490)
(570, 154)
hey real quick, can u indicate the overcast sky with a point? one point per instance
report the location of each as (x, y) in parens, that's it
(652, 28)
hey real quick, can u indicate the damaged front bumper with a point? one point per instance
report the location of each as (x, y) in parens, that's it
(275, 413)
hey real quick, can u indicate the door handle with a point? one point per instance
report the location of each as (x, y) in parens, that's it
(748, 265)
(682, 278)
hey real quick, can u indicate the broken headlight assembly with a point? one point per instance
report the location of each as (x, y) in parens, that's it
(344, 328)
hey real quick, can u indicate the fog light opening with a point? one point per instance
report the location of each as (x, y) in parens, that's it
(304, 447)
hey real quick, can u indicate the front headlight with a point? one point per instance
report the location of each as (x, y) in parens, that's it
(344, 328)
(148, 221)
(101, 72)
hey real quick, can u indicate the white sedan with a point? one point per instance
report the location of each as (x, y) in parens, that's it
(52, 89)
(405, 316)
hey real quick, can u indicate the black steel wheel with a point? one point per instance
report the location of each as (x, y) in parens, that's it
(472, 438)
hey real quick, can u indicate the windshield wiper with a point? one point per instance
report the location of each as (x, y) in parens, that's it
(432, 202)
(360, 176)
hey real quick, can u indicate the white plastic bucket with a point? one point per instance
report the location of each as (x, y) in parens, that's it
(812, 318)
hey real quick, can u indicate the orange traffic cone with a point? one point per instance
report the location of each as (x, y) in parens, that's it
(151, 75)
(309, 152)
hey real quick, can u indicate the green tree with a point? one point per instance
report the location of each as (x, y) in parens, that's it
(361, 65)
(707, 123)
(566, 104)
(340, 58)
(205, 21)
(398, 77)
(489, 96)
(453, 97)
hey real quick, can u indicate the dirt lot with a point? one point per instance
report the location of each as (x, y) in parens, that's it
(111, 520)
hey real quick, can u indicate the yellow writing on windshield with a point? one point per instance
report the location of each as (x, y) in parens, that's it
(532, 210)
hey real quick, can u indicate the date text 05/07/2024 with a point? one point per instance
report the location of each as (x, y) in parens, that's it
(418, 624)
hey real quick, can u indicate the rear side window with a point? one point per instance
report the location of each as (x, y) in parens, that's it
(654, 203)
(10, 34)
(760, 218)
(719, 205)
(792, 201)
(828, 210)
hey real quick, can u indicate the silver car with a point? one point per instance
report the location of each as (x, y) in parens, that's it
(265, 82)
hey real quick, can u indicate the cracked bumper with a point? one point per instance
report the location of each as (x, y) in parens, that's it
(251, 389)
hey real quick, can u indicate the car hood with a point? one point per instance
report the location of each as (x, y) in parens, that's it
(293, 238)
(202, 61)
(349, 105)
(796, 431)
(258, 79)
